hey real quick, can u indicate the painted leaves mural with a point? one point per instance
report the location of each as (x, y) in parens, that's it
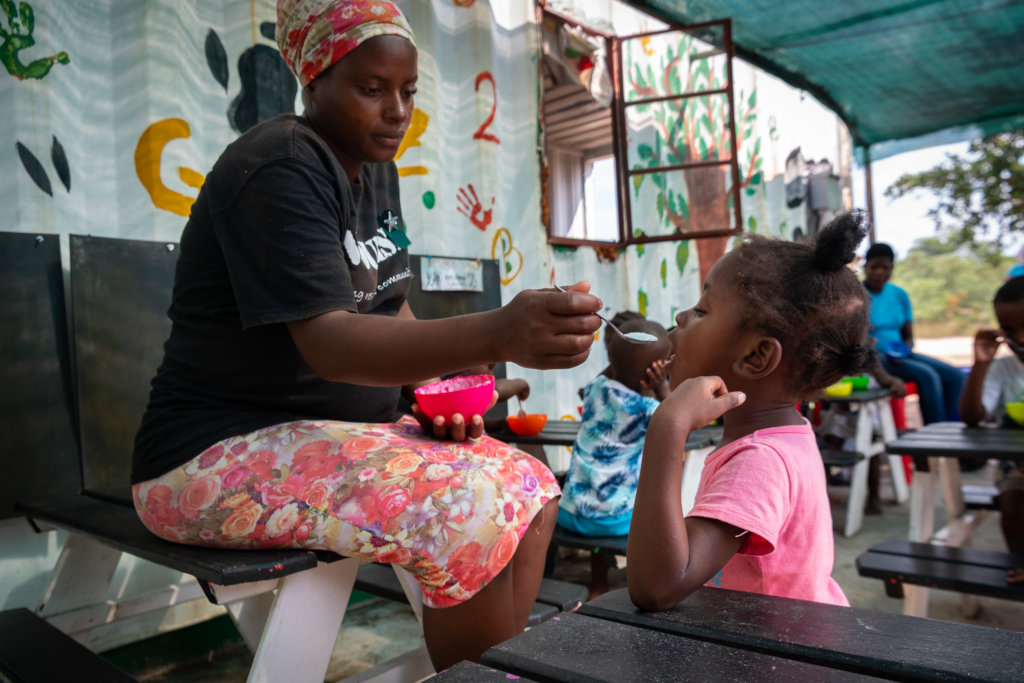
(695, 130)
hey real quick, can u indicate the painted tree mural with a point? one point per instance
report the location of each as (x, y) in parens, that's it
(688, 130)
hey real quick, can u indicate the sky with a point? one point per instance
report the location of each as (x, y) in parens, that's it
(900, 222)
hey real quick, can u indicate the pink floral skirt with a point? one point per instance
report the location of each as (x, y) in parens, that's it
(450, 513)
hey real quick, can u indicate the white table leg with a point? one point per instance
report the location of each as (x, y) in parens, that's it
(922, 525)
(250, 617)
(915, 600)
(82, 575)
(952, 493)
(413, 591)
(922, 504)
(859, 473)
(303, 624)
(887, 427)
(858, 497)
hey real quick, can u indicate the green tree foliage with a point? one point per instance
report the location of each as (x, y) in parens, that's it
(981, 194)
(950, 287)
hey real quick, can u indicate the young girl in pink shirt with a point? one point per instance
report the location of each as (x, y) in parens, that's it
(776, 323)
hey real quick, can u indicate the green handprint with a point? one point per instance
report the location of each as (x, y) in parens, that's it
(17, 37)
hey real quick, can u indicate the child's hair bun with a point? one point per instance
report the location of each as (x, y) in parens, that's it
(837, 242)
(853, 360)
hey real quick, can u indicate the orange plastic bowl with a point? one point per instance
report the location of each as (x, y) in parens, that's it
(470, 395)
(527, 425)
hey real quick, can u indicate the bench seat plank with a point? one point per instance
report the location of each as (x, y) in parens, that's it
(564, 595)
(33, 650)
(573, 647)
(877, 643)
(555, 596)
(965, 570)
(948, 553)
(979, 497)
(571, 539)
(471, 672)
(834, 457)
(119, 527)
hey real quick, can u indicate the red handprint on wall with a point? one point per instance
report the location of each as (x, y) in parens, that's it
(470, 207)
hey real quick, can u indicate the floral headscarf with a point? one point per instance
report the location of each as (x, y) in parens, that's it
(314, 34)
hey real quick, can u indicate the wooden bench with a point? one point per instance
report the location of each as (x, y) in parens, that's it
(570, 539)
(287, 604)
(835, 457)
(980, 497)
(964, 570)
(33, 651)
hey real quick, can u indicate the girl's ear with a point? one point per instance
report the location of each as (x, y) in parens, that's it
(761, 358)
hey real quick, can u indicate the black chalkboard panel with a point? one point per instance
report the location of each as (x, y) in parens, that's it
(431, 305)
(38, 450)
(120, 292)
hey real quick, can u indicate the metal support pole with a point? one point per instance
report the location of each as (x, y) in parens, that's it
(869, 194)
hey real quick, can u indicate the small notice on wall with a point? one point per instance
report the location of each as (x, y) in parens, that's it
(451, 275)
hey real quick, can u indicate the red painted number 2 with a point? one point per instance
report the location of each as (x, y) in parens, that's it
(481, 132)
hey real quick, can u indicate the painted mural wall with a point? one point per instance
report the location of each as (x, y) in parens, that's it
(112, 111)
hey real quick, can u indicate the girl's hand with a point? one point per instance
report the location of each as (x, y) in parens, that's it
(699, 400)
(898, 387)
(457, 429)
(656, 379)
(986, 342)
(546, 329)
(507, 388)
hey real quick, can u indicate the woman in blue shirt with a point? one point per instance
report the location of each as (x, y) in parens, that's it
(892, 322)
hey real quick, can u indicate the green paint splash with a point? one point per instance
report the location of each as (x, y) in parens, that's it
(17, 36)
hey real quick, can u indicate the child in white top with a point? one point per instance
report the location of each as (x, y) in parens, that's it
(992, 384)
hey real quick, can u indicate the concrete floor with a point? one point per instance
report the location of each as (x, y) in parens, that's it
(377, 630)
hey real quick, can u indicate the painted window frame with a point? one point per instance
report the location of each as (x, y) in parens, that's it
(628, 233)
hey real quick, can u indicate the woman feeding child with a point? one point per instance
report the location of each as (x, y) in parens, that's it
(268, 422)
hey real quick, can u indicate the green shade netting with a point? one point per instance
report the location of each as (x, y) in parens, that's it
(893, 71)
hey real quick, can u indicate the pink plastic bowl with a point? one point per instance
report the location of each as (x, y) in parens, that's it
(470, 395)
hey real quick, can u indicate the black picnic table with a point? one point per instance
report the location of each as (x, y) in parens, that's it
(938, 448)
(957, 440)
(724, 635)
(563, 433)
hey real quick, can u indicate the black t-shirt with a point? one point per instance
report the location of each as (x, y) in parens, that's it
(278, 233)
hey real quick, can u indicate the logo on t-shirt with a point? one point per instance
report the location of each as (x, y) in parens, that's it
(371, 253)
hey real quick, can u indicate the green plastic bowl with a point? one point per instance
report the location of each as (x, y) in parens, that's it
(1016, 412)
(859, 382)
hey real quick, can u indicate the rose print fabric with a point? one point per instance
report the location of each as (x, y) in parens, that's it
(450, 513)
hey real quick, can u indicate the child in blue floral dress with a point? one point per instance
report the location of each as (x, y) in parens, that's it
(600, 485)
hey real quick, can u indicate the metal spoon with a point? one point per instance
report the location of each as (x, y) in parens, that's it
(633, 337)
